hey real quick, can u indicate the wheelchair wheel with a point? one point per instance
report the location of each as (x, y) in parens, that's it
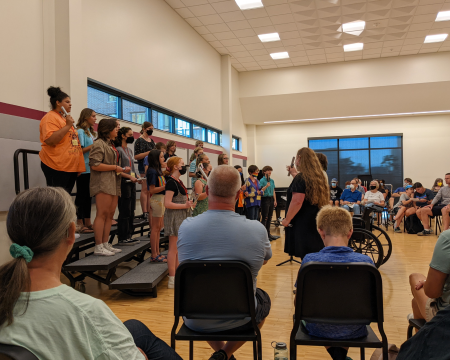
(364, 242)
(385, 241)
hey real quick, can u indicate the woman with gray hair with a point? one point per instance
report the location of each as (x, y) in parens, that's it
(373, 196)
(50, 319)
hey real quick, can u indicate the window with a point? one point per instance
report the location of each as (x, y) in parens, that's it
(102, 102)
(212, 137)
(162, 121)
(182, 128)
(134, 112)
(235, 144)
(349, 157)
(198, 132)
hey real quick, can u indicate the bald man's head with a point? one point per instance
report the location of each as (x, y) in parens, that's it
(224, 181)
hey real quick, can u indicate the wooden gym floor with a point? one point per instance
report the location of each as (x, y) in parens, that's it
(411, 253)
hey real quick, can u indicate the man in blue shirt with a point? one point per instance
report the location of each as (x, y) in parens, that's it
(351, 198)
(335, 226)
(268, 201)
(221, 234)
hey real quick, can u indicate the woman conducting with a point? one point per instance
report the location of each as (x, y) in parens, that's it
(306, 195)
(61, 154)
(105, 183)
(178, 208)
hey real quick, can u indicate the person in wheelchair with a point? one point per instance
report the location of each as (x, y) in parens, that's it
(335, 227)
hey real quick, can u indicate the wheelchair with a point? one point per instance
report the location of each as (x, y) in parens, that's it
(370, 239)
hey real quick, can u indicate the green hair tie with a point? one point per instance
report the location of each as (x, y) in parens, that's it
(18, 251)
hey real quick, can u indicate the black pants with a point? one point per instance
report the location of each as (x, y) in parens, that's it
(55, 178)
(83, 198)
(267, 206)
(153, 347)
(127, 205)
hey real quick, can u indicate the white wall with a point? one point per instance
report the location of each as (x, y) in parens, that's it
(425, 143)
(238, 126)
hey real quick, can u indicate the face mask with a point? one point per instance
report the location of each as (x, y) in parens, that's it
(381, 183)
(439, 184)
(333, 184)
(183, 170)
(352, 186)
(130, 140)
(255, 174)
(372, 187)
(149, 132)
(347, 186)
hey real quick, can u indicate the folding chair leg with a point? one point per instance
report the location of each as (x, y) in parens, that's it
(255, 354)
(191, 350)
(410, 332)
(259, 350)
(385, 351)
(293, 352)
(363, 354)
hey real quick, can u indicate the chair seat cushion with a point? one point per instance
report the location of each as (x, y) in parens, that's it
(371, 340)
(417, 323)
(187, 334)
(15, 353)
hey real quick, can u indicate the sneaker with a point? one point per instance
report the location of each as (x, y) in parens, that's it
(171, 285)
(397, 230)
(128, 242)
(100, 250)
(109, 247)
(425, 233)
(77, 236)
(219, 355)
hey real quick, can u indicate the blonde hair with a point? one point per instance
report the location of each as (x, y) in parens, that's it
(83, 124)
(169, 144)
(197, 149)
(171, 162)
(376, 184)
(198, 142)
(334, 221)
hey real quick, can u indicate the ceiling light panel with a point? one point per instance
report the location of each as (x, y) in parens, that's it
(249, 4)
(354, 27)
(353, 47)
(443, 16)
(269, 37)
(279, 55)
(435, 38)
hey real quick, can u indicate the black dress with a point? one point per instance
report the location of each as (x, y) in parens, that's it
(302, 238)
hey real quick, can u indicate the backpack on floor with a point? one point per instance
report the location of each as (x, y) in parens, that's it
(413, 224)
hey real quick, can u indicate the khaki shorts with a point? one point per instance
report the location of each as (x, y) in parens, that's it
(157, 205)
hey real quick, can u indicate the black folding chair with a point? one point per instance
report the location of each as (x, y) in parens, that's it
(414, 324)
(339, 294)
(214, 290)
(13, 352)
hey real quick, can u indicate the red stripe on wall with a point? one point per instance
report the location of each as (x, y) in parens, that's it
(21, 111)
(240, 157)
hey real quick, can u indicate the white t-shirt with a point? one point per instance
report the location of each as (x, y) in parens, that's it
(371, 197)
(62, 323)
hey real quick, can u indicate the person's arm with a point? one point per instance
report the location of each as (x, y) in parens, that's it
(53, 134)
(434, 284)
(436, 199)
(138, 155)
(294, 207)
(198, 189)
(171, 205)
(343, 202)
(154, 190)
(274, 196)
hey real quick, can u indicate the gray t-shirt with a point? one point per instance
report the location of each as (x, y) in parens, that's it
(441, 262)
(403, 197)
(127, 159)
(230, 236)
(442, 197)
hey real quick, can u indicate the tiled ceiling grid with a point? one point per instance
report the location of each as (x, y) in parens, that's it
(310, 29)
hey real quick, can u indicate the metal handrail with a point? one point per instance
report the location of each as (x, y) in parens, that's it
(25, 153)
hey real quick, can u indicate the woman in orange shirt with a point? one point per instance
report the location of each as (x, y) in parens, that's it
(61, 154)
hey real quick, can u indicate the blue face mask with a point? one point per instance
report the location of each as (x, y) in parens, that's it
(333, 184)
(347, 187)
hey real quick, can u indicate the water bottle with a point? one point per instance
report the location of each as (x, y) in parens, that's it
(280, 351)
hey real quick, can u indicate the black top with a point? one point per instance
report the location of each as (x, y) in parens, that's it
(302, 238)
(174, 186)
(142, 146)
(153, 178)
(166, 156)
(335, 193)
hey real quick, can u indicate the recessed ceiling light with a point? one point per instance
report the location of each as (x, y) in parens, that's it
(354, 27)
(353, 47)
(280, 55)
(269, 37)
(249, 4)
(435, 38)
(443, 16)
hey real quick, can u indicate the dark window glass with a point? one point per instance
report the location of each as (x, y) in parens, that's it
(387, 164)
(134, 112)
(353, 163)
(333, 169)
(385, 142)
(323, 144)
(354, 143)
(199, 133)
(102, 102)
(182, 128)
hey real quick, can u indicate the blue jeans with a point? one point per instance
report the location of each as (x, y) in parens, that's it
(253, 212)
(153, 347)
(356, 209)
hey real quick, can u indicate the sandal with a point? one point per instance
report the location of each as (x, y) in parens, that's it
(86, 230)
(158, 259)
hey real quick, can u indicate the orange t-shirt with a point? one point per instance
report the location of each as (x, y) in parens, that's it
(65, 156)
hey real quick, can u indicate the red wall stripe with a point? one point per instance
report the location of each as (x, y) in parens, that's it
(240, 157)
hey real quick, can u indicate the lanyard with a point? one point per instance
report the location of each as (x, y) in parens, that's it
(184, 187)
(117, 152)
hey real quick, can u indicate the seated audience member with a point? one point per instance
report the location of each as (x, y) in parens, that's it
(404, 207)
(268, 201)
(361, 184)
(373, 196)
(324, 163)
(51, 319)
(198, 144)
(432, 293)
(360, 188)
(347, 184)
(229, 229)
(385, 191)
(335, 226)
(335, 192)
(193, 165)
(437, 185)
(441, 200)
(422, 197)
(351, 198)
(399, 191)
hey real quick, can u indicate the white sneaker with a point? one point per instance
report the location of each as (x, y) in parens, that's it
(109, 247)
(171, 283)
(409, 317)
(100, 250)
